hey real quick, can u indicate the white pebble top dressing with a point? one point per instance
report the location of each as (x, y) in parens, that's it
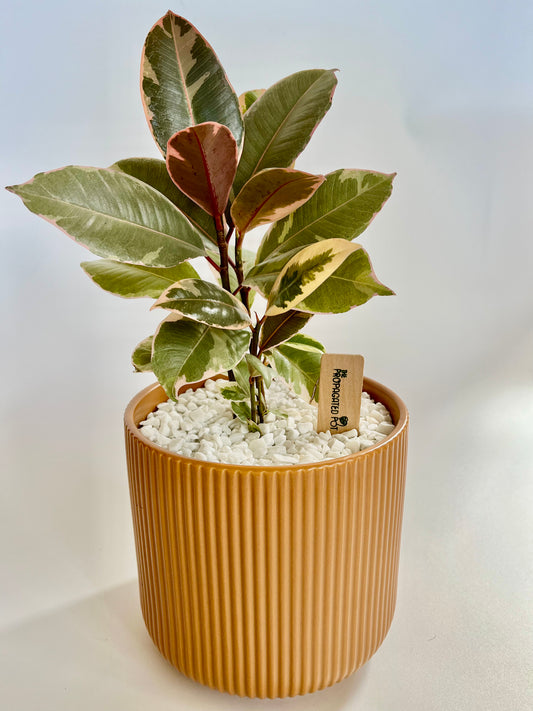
(201, 425)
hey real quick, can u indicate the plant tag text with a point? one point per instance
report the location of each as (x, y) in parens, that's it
(339, 395)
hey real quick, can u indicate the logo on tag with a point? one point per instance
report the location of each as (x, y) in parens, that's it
(336, 421)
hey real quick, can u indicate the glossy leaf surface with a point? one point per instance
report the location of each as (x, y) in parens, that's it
(281, 122)
(243, 412)
(153, 171)
(242, 376)
(343, 206)
(257, 368)
(202, 161)
(263, 275)
(277, 329)
(271, 195)
(306, 271)
(352, 284)
(133, 280)
(142, 355)
(204, 302)
(113, 215)
(186, 351)
(298, 362)
(183, 82)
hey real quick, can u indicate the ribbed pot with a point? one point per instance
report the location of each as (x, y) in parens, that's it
(267, 581)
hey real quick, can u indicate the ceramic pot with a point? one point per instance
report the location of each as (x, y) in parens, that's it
(267, 581)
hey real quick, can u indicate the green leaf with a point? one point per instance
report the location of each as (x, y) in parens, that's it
(263, 275)
(204, 302)
(202, 161)
(298, 362)
(142, 355)
(183, 82)
(234, 392)
(113, 215)
(248, 98)
(243, 412)
(281, 122)
(154, 172)
(306, 271)
(242, 375)
(272, 194)
(257, 368)
(132, 280)
(186, 351)
(306, 343)
(343, 206)
(352, 284)
(277, 329)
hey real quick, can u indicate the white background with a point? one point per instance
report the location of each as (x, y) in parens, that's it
(442, 93)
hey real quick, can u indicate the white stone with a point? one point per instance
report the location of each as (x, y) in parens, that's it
(385, 428)
(304, 427)
(258, 447)
(201, 425)
(353, 445)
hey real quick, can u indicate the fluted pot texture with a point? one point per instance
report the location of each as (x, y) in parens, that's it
(267, 581)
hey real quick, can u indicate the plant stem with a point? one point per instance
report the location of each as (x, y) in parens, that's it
(223, 251)
(257, 387)
(243, 290)
(253, 405)
(261, 405)
(223, 269)
(213, 263)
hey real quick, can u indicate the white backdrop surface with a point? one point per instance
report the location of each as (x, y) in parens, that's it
(442, 93)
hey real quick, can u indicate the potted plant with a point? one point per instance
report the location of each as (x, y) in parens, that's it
(258, 580)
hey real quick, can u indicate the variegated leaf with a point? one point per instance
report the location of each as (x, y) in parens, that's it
(263, 275)
(204, 302)
(186, 351)
(343, 206)
(272, 194)
(133, 280)
(277, 329)
(154, 172)
(202, 161)
(281, 122)
(248, 98)
(298, 362)
(352, 284)
(242, 376)
(305, 272)
(258, 368)
(142, 355)
(183, 82)
(113, 215)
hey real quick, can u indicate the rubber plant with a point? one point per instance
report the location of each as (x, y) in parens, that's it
(227, 168)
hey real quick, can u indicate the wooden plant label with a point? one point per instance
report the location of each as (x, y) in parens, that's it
(339, 394)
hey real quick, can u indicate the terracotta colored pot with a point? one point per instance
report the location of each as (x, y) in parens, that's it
(267, 581)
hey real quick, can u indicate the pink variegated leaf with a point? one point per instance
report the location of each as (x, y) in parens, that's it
(202, 160)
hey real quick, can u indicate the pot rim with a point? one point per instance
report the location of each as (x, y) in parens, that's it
(376, 390)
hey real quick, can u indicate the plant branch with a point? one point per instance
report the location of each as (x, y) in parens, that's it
(243, 290)
(253, 404)
(257, 386)
(223, 251)
(213, 263)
